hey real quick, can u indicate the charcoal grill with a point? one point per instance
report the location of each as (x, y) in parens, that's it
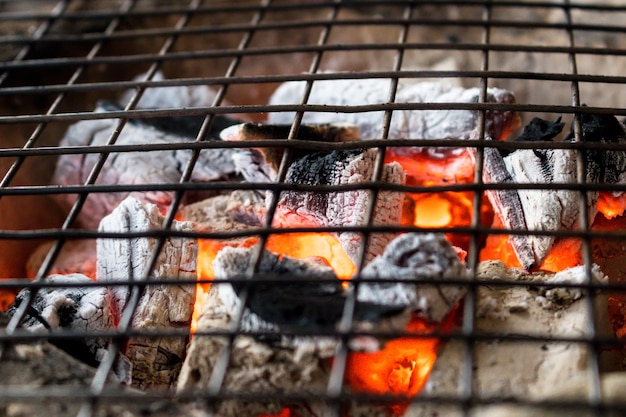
(59, 57)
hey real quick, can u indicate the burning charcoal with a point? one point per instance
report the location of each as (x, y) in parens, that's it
(156, 360)
(423, 124)
(545, 210)
(549, 210)
(84, 309)
(261, 164)
(297, 364)
(346, 208)
(159, 167)
(521, 369)
(291, 303)
(507, 205)
(409, 259)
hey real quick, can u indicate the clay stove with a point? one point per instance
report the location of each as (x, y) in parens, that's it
(532, 339)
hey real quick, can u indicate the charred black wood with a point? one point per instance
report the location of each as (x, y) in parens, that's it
(413, 272)
(604, 166)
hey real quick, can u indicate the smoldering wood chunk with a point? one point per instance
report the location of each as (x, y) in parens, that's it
(345, 208)
(75, 308)
(40, 366)
(159, 167)
(294, 292)
(408, 260)
(534, 370)
(261, 164)
(422, 124)
(156, 360)
(507, 204)
(76, 256)
(237, 210)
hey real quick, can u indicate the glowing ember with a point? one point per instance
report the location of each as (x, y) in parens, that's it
(565, 253)
(445, 209)
(401, 368)
(611, 206)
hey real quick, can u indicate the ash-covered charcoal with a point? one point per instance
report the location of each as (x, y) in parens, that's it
(419, 266)
(156, 360)
(295, 292)
(419, 124)
(267, 160)
(75, 307)
(345, 208)
(159, 167)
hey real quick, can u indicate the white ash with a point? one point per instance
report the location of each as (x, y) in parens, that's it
(413, 258)
(159, 167)
(345, 208)
(75, 307)
(419, 124)
(156, 360)
(572, 276)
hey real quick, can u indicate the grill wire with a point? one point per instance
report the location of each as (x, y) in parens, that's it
(63, 56)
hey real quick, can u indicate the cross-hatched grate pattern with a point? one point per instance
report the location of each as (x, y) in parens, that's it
(59, 58)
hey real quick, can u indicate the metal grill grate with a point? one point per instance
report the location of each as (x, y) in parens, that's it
(58, 58)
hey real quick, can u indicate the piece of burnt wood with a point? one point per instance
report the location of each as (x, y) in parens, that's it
(526, 370)
(76, 256)
(418, 266)
(286, 293)
(156, 360)
(343, 208)
(74, 308)
(40, 367)
(415, 124)
(261, 164)
(158, 167)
